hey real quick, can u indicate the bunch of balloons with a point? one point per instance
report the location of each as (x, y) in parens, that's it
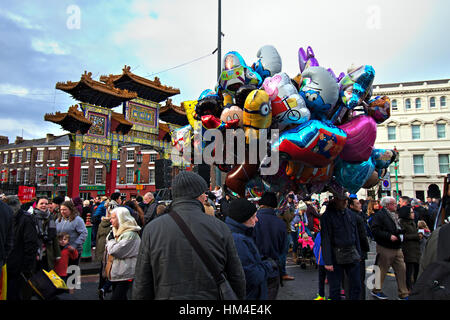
(327, 124)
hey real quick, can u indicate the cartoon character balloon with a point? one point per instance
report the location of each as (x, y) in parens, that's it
(320, 91)
(257, 114)
(288, 107)
(313, 143)
(236, 73)
(268, 63)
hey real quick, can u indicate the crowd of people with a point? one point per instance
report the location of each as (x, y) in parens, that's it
(144, 253)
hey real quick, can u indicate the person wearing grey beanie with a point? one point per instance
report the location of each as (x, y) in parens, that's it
(181, 274)
(188, 185)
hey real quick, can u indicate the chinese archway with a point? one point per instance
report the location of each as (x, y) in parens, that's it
(96, 130)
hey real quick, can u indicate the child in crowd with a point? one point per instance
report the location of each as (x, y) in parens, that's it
(67, 252)
(425, 231)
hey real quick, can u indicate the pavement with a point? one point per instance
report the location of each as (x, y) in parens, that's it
(304, 287)
(88, 265)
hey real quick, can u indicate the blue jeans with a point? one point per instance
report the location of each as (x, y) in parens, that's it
(335, 280)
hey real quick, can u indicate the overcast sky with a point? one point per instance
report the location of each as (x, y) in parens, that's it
(45, 41)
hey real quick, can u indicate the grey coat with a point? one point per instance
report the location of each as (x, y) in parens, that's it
(169, 268)
(76, 230)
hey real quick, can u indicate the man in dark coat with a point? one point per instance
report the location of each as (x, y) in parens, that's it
(355, 207)
(167, 265)
(270, 236)
(23, 255)
(241, 220)
(387, 233)
(341, 248)
(6, 232)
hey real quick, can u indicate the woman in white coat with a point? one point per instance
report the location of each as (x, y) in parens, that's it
(122, 248)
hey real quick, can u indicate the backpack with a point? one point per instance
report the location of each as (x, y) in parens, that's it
(434, 282)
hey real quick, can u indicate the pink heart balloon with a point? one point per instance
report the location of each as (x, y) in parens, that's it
(361, 134)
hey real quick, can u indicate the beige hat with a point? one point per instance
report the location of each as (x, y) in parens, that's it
(301, 205)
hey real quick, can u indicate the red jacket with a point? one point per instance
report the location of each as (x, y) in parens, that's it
(62, 264)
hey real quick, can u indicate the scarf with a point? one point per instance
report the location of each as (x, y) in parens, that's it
(124, 227)
(394, 218)
(45, 225)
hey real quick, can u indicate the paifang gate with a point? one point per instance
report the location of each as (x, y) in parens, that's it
(97, 131)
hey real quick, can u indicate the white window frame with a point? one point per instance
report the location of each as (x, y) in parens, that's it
(63, 179)
(26, 176)
(40, 156)
(408, 104)
(63, 155)
(151, 175)
(389, 134)
(441, 164)
(131, 180)
(86, 169)
(418, 103)
(441, 125)
(415, 165)
(432, 102)
(415, 126)
(130, 152)
(101, 175)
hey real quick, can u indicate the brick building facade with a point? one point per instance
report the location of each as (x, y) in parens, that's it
(29, 163)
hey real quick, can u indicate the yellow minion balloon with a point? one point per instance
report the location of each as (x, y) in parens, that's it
(257, 114)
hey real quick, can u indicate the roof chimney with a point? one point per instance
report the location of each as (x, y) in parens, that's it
(4, 140)
(19, 140)
(49, 137)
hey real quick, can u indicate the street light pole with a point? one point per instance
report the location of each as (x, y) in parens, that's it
(219, 70)
(396, 175)
(138, 173)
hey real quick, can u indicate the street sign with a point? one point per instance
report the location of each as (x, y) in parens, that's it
(25, 193)
(139, 187)
(386, 182)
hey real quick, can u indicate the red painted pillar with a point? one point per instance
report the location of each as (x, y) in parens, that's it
(73, 181)
(111, 178)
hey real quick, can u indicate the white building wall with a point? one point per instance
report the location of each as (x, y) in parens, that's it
(429, 146)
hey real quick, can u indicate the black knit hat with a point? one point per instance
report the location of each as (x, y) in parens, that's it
(269, 199)
(58, 200)
(404, 212)
(188, 185)
(241, 210)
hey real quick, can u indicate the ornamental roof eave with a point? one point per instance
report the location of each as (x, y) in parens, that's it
(128, 75)
(72, 121)
(98, 93)
(169, 106)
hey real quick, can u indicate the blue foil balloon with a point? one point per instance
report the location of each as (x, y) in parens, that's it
(352, 176)
(383, 158)
(314, 143)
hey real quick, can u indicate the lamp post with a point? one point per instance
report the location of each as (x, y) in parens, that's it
(396, 175)
(138, 171)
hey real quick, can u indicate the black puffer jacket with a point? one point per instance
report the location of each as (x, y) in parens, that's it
(383, 227)
(411, 238)
(6, 232)
(169, 268)
(23, 255)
